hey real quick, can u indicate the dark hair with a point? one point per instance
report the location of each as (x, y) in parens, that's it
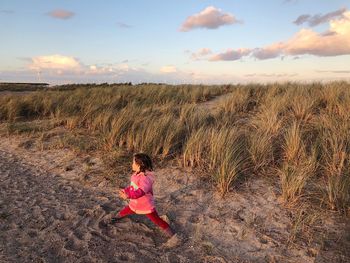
(144, 161)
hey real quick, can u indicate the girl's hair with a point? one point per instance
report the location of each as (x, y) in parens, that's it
(144, 161)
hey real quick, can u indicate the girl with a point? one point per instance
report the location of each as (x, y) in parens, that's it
(140, 193)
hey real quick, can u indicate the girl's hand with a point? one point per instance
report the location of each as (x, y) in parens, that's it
(122, 194)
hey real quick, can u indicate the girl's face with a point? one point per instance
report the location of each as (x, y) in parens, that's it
(135, 166)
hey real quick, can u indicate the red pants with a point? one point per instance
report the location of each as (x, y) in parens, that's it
(154, 217)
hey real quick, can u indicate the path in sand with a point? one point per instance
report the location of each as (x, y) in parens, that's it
(45, 218)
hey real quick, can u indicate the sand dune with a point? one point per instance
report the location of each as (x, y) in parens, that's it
(47, 215)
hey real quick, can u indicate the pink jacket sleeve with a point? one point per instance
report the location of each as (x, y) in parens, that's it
(134, 194)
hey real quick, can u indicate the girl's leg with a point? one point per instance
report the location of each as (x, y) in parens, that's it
(122, 213)
(125, 212)
(154, 217)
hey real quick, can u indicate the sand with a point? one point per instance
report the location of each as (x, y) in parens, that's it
(48, 214)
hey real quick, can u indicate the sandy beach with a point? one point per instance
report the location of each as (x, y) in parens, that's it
(48, 215)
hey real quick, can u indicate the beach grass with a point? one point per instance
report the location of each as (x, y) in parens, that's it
(297, 134)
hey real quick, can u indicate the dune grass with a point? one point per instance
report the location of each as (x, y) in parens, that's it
(298, 164)
(296, 134)
(219, 152)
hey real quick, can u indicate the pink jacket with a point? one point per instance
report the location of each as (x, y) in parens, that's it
(140, 193)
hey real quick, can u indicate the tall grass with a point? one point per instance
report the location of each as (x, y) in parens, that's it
(80, 101)
(295, 133)
(264, 134)
(221, 152)
(335, 161)
(298, 165)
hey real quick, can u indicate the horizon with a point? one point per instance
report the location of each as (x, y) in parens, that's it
(200, 42)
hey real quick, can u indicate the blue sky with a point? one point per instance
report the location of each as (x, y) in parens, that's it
(71, 41)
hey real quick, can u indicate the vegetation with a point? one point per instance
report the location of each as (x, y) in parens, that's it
(296, 134)
(14, 87)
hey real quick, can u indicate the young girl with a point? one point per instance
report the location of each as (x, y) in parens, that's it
(140, 193)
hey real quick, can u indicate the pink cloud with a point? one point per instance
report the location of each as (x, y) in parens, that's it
(168, 69)
(61, 14)
(231, 55)
(55, 62)
(200, 54)
(271, 51)
(66, 65)
(334, 42)
(210, 18)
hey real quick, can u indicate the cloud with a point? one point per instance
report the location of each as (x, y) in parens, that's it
(54, 65)
(228, 55)
(67, 69)
(210, 18)
(111, 69)
(123, 25)
(271, 75)
(168, 69)
(54, 70)
(114, 73)
(272, 51)
(334, 71)
(231, 55)
(61, 14)
(200, 54)
(319, 19)
(55, 62)
(301, 19)
(334, 42)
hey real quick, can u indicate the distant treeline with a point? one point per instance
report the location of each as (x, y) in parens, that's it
(88, 85)
(17, 86)
(111, 85)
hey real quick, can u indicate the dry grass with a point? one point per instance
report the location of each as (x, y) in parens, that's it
(304, 221)
(221, 151)
(336, 153)
(299, 131)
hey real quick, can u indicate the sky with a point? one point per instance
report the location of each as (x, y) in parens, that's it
(207, 42)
